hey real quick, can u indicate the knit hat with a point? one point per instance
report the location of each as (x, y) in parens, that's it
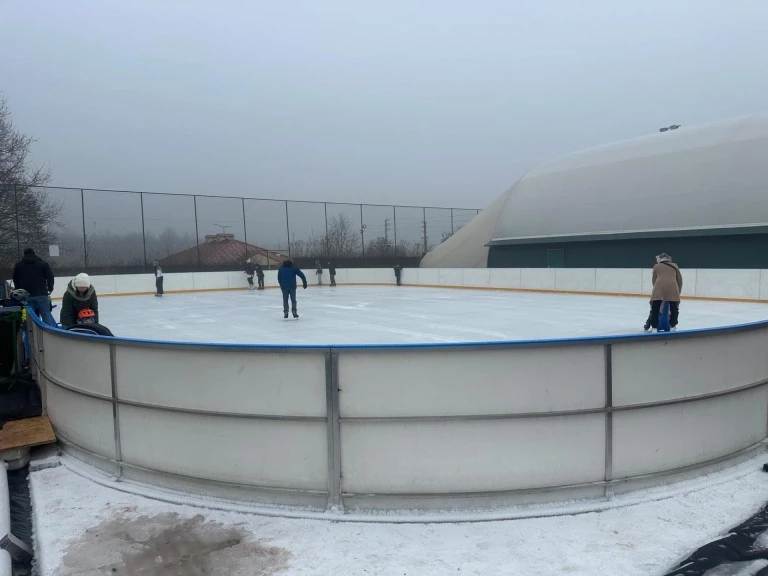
(82, 281)
(663, 257)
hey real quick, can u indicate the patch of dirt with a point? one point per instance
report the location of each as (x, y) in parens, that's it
(170, 545)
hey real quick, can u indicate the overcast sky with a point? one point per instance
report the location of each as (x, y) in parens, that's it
(439, 102)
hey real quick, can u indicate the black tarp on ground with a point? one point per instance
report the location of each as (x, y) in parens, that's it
(738, 545)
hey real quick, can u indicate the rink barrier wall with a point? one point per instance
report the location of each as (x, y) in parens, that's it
(732, 285)
(408, 426)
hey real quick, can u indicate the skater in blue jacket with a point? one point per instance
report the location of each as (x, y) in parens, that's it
(286, 277)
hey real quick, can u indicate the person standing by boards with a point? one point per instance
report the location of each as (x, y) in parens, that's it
(667, 285)
(250, 270)
(158, 279)
(332, 273)
(398, 271)
(319, 272)
(286, 278)
(34, 275)
(260, 276)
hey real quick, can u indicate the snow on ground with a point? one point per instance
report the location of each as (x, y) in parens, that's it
(376, 315)
(84, 528)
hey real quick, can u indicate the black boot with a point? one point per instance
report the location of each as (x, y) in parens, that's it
(285, 313)
(295, 314)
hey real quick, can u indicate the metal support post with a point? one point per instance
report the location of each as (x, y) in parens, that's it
(334, 430)
(115, 410)
(608, 421)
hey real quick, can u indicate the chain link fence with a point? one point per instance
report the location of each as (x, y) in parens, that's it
(113, 232)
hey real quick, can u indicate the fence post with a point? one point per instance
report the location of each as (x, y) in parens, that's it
(362, 231)
(287, 229)
(85, 239)
(424, 216)
(245, 232)
(197, 234)
(608, 420)
(16, 211)
(452, 230)
(327, 242)
(394, 227)
(143, 231)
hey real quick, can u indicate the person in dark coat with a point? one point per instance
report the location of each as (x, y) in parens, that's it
(34, 275)
(158, 279)
(667, 285)
(80, 295)
(260, 276)
(286, 278)
(398, 271)
(332, 273)
(250, 270)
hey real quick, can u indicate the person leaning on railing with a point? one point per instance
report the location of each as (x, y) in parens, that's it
(79, 296)
(667, 285)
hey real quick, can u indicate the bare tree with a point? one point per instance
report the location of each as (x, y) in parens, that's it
(343, 239)
(26, 213)
(380, 246)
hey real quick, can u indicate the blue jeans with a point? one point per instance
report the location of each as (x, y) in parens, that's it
(292, 294)
(42, 307)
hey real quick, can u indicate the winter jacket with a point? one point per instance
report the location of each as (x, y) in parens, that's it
(259, 271)
(286, 276)
(667, 282)
(250, 269)
(34, 275)
(332, 270)
(73, 302)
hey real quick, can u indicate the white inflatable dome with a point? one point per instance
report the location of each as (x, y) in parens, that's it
(697, 177)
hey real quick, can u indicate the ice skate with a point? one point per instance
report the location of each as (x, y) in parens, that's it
(285, 314)
(647, 327)
(159, 295)
(295, 314)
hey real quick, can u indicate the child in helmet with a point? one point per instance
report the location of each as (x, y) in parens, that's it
(86, 316)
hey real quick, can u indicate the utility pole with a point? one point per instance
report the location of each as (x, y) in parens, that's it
(386, 230)
(425, 235)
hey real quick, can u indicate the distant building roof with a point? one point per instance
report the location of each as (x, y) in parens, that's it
(223, 250)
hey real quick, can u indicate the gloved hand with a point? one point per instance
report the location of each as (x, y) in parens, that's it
(305, 286)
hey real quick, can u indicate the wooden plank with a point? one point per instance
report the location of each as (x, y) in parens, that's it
(26, 433)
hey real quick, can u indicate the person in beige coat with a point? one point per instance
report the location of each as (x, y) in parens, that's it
(667, 284)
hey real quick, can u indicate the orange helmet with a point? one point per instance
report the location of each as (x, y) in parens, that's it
(86, 316)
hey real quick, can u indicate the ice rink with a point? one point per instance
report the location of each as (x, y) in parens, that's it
(384, 315)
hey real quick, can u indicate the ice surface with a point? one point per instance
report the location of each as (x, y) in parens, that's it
(74, 518)
(379, 315)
